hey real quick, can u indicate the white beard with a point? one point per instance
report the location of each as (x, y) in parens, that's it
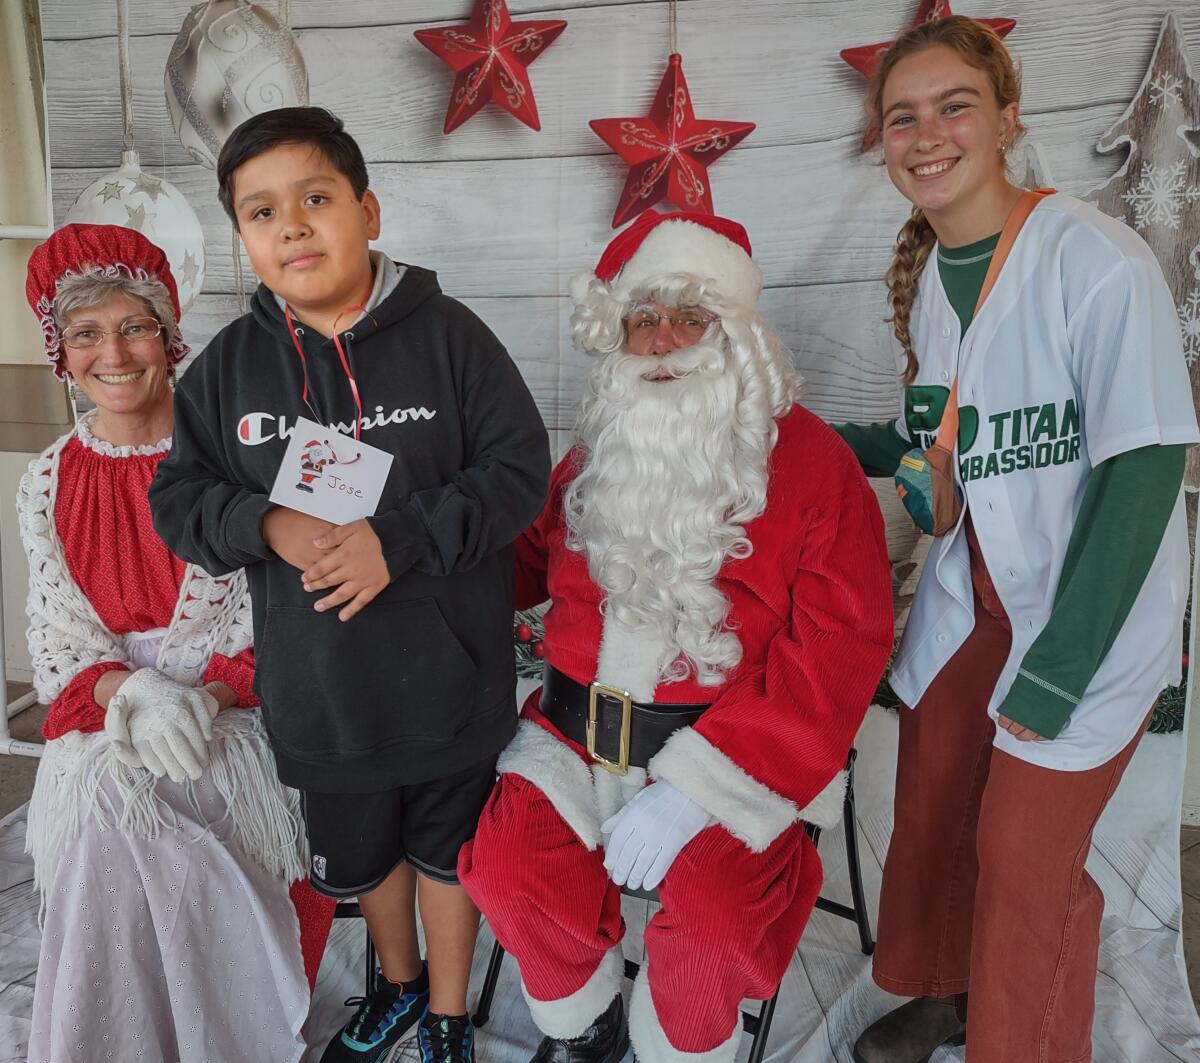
(672, 472)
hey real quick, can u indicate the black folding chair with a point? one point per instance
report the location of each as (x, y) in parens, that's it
(351, 910)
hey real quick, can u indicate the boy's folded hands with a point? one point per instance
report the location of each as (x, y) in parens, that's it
(349, 558)
(352, 560)
(290, 534)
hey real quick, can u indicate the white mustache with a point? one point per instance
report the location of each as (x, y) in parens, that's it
(630, 370)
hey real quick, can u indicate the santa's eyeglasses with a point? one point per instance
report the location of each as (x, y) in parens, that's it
(688, 324)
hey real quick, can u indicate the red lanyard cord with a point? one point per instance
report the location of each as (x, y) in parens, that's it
(358, 406)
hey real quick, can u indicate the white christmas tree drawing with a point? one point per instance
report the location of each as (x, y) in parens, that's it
(1157, 191)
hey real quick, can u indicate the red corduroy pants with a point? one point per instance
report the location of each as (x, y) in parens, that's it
(729, 923)
(984, 886)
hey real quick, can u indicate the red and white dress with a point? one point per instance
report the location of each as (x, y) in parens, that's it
(812, 608)
(169, 930)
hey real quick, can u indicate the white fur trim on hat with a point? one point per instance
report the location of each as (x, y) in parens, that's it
(686, 247)
(570, 1016)
(650, 1040)
(750, 811)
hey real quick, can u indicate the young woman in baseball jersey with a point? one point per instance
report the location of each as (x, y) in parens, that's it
(1049, 614)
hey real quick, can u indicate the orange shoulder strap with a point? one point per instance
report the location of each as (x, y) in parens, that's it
(948, 428)
(1008, 236)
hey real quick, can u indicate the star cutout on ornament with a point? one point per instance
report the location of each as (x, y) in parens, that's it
(669, 150)
(152, 186)
(137, 217)
(865, 58)
(111, 190)
(489, 56)
(190, 269)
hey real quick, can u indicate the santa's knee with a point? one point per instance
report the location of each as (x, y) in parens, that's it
(710, 906)
(498, 865)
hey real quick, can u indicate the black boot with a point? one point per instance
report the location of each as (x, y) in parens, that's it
(605, 1041)
(911, 1032)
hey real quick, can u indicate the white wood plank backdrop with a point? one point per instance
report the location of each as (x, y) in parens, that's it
(506, 215)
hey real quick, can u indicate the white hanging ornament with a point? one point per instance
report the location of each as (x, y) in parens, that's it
(231, 60)
(155, 208)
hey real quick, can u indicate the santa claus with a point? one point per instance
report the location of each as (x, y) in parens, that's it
(720, 615)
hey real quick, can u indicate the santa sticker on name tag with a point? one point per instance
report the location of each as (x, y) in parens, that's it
(330, 475)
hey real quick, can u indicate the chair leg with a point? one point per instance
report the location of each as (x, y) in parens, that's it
(853, 866)
(758, 1047)
(370, 961)
(483, 1009)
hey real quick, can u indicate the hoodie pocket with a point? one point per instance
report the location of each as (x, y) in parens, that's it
(393, 673)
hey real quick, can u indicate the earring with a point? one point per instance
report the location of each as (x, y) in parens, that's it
(1003, 147)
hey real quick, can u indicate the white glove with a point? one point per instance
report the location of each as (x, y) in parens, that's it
(648, 833)
(160, 725)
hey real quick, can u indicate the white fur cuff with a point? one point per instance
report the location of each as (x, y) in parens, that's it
(649, 1040)
(750, 811)
(554, 768)
(826, 809)
(570, 1016)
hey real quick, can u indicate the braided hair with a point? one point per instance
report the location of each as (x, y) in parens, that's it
(981, 48)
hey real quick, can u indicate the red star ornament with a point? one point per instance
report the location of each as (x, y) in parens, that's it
(866, 58)
(669, 150)
(489, 56)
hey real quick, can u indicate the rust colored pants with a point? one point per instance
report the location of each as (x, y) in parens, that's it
(984, 886)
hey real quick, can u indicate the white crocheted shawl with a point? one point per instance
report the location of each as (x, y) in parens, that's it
(212, 613)
(78, 778)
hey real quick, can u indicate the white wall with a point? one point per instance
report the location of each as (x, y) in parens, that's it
(22, 202)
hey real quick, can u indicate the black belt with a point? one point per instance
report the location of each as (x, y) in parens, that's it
(616, 731)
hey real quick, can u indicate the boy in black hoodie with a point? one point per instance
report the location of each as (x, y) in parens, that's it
(384, 646)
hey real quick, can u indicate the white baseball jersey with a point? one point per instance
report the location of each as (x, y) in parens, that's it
(1075, 356)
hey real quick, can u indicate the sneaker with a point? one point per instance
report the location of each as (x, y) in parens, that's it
(381, 1021)
(446, 1039)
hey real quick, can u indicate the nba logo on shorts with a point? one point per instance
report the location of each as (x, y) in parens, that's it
(319, 866)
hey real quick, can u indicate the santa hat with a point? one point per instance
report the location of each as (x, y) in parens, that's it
(112, 250)
(714, 250)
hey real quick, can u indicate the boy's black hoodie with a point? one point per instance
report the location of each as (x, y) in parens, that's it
(420, 683)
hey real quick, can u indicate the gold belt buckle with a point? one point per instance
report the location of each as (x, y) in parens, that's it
(620, 766)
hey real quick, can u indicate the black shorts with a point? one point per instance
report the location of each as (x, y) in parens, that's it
(357, 840)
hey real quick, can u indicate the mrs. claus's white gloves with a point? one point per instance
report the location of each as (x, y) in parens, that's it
(160, 725)
(648, 833)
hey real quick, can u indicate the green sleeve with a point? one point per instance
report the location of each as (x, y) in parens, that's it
(1126, 507)
(878, 447)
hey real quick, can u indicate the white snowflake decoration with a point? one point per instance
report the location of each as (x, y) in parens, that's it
(1189, 321)
(1160, 195)
(1166, 88)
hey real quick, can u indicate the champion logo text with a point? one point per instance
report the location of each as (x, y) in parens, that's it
(261, 427)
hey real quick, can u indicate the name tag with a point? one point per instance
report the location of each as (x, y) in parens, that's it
(330, 475)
